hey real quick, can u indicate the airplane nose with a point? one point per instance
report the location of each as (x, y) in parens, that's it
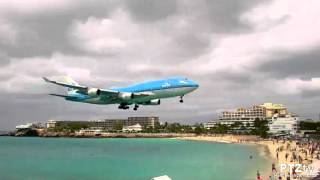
(195, 86)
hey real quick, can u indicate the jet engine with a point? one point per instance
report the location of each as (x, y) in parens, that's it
(94, 92)
(153, 102)
(126, 96)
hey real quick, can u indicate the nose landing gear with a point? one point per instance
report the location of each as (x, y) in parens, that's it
(136, 106)
(181, 99)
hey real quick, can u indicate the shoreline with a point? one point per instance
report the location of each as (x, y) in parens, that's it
(237, 139)
(48, 134)
(271, 150)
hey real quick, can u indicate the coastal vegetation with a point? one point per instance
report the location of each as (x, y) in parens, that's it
(68, 128)
(309, 125)
(260, 128)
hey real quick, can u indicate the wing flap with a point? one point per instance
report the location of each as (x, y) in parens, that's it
(59, 95)
(109, 92)
(78, 87)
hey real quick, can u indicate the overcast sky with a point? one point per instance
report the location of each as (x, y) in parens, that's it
(240, 52)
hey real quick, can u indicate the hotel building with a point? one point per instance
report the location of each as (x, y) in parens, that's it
(274, 109)
(107, 124)
(280, 120)
(247, 116)
(284, 125)
(150, 122)
(243, 115)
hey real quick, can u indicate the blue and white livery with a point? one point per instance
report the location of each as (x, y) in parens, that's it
(146, 93)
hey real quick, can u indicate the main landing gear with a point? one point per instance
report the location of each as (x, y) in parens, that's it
(136, 106)
(181, 99)
(123, 106)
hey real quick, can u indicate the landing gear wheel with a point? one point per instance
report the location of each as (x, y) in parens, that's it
(123, 106)
(181, 99)
(135, 107)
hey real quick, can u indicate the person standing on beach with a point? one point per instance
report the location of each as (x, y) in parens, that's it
(294, 174)
(288, 176)
(274, 170)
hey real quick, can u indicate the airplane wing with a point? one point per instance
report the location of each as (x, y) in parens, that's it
(78, 87)
(103, 92)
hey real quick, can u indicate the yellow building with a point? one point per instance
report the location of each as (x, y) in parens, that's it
(272, 109)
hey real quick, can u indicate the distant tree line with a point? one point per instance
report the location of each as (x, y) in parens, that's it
(307, 125)
(260, 128)
(69, 128)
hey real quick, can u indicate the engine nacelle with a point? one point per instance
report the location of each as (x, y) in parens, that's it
(153, 102)
(126, 96)
(94, 92)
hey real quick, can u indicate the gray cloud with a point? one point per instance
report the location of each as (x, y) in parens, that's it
(224, 14)
(4, 59)
(47, 32)
(149, 10)
(300, 64)
(157, 39)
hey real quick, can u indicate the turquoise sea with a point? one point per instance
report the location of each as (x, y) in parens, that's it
(24, 158)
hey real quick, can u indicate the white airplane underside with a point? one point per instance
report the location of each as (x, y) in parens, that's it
(147, 93)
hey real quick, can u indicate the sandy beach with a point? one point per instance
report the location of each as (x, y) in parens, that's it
(286, 156)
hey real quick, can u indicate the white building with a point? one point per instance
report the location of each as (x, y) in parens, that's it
(210, 124)
(51, 124)
(284, 125)
(133, 128)
(247, 116)
(25, 126)
(95, 132)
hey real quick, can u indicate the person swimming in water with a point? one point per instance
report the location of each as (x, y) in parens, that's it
(258, 175)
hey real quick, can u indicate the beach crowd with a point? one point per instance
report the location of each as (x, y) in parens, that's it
(294, 159)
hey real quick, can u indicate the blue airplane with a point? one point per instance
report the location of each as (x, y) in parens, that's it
(146, 93)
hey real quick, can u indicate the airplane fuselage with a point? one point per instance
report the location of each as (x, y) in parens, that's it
(157, 89)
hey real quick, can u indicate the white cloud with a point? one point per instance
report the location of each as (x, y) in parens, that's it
(293, 86)
(104, 35)
(279, 25)
(158, 43)
(34, 6)
(299, 28)
(31, 70)
(8, 33)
